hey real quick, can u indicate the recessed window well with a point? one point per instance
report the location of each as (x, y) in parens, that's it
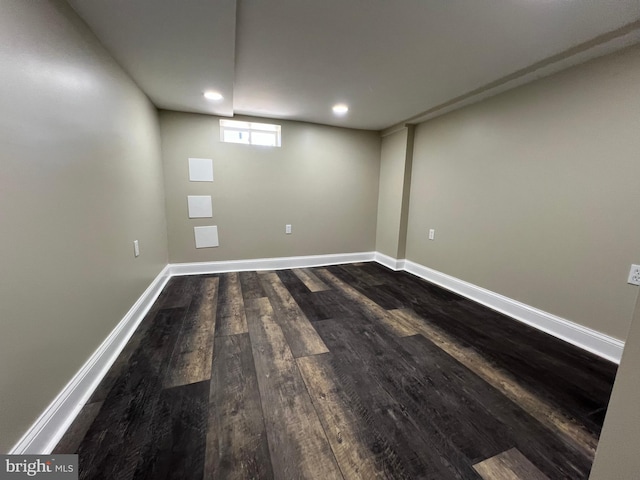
(250, 133)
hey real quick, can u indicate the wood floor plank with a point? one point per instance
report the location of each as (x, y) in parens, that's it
(231, 318)
(178, 292)
(148, 366)
(418, 454)
(297, 443)
(394, 289)
(345, 275)
(351, 441)
(301, 337)
(357, 275)
(320, 305)
(251, 286)
(120, 430)
(587, 378)
(191, 359)
(176, 445)
(509, 465)
(122, 361)
(325, 305)
(385, 274)
(403, 323)
(386, 297)
(292, 282)
(507, 423)
(113, 444)
(72, 438)
(408, 287)
(311, 306)
(366, 305)
(236, 439)
(405, 327)
(537, 407)
(313, 283)
(334, 304)
(457, 426)
(511, 345)
(169, 295)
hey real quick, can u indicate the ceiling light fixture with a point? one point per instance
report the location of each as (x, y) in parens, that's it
(340, 109)
(211, 95)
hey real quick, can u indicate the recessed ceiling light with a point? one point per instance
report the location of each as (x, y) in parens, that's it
(211, 95)
(340, 109)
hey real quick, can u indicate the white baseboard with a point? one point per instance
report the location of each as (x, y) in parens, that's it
(583, 337)
(277, 263)
(389, 262)
(49, 428)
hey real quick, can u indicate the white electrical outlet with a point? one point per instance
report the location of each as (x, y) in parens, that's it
(432, 234)
(287, 229)
(634, 275)
(136, 248)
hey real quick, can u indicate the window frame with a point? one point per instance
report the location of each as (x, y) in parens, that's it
(250, 128)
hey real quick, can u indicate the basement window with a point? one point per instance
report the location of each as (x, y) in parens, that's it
(250, 133)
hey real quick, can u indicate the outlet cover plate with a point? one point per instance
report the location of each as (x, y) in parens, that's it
(634, 275)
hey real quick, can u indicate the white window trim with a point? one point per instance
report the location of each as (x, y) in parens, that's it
(250, 128)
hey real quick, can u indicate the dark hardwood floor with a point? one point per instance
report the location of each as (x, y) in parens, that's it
(351, 371)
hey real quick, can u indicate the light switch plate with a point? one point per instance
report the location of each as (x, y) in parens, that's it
(206, 237)
(634, 275)
(199, 206)
(200, 170)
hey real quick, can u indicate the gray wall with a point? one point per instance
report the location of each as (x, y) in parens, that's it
(323, 181)
(534, 193)
(393, 161)
(617, 455)
(80, 179)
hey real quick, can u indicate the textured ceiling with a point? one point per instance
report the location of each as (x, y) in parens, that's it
(390, 61)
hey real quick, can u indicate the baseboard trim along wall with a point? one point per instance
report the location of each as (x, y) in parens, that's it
(278, 263)
(583, 337)
(389, 262)
(48, 429)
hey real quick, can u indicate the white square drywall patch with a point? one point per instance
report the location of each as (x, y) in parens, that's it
(199, 206)
(206, 236)
(200, 170)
